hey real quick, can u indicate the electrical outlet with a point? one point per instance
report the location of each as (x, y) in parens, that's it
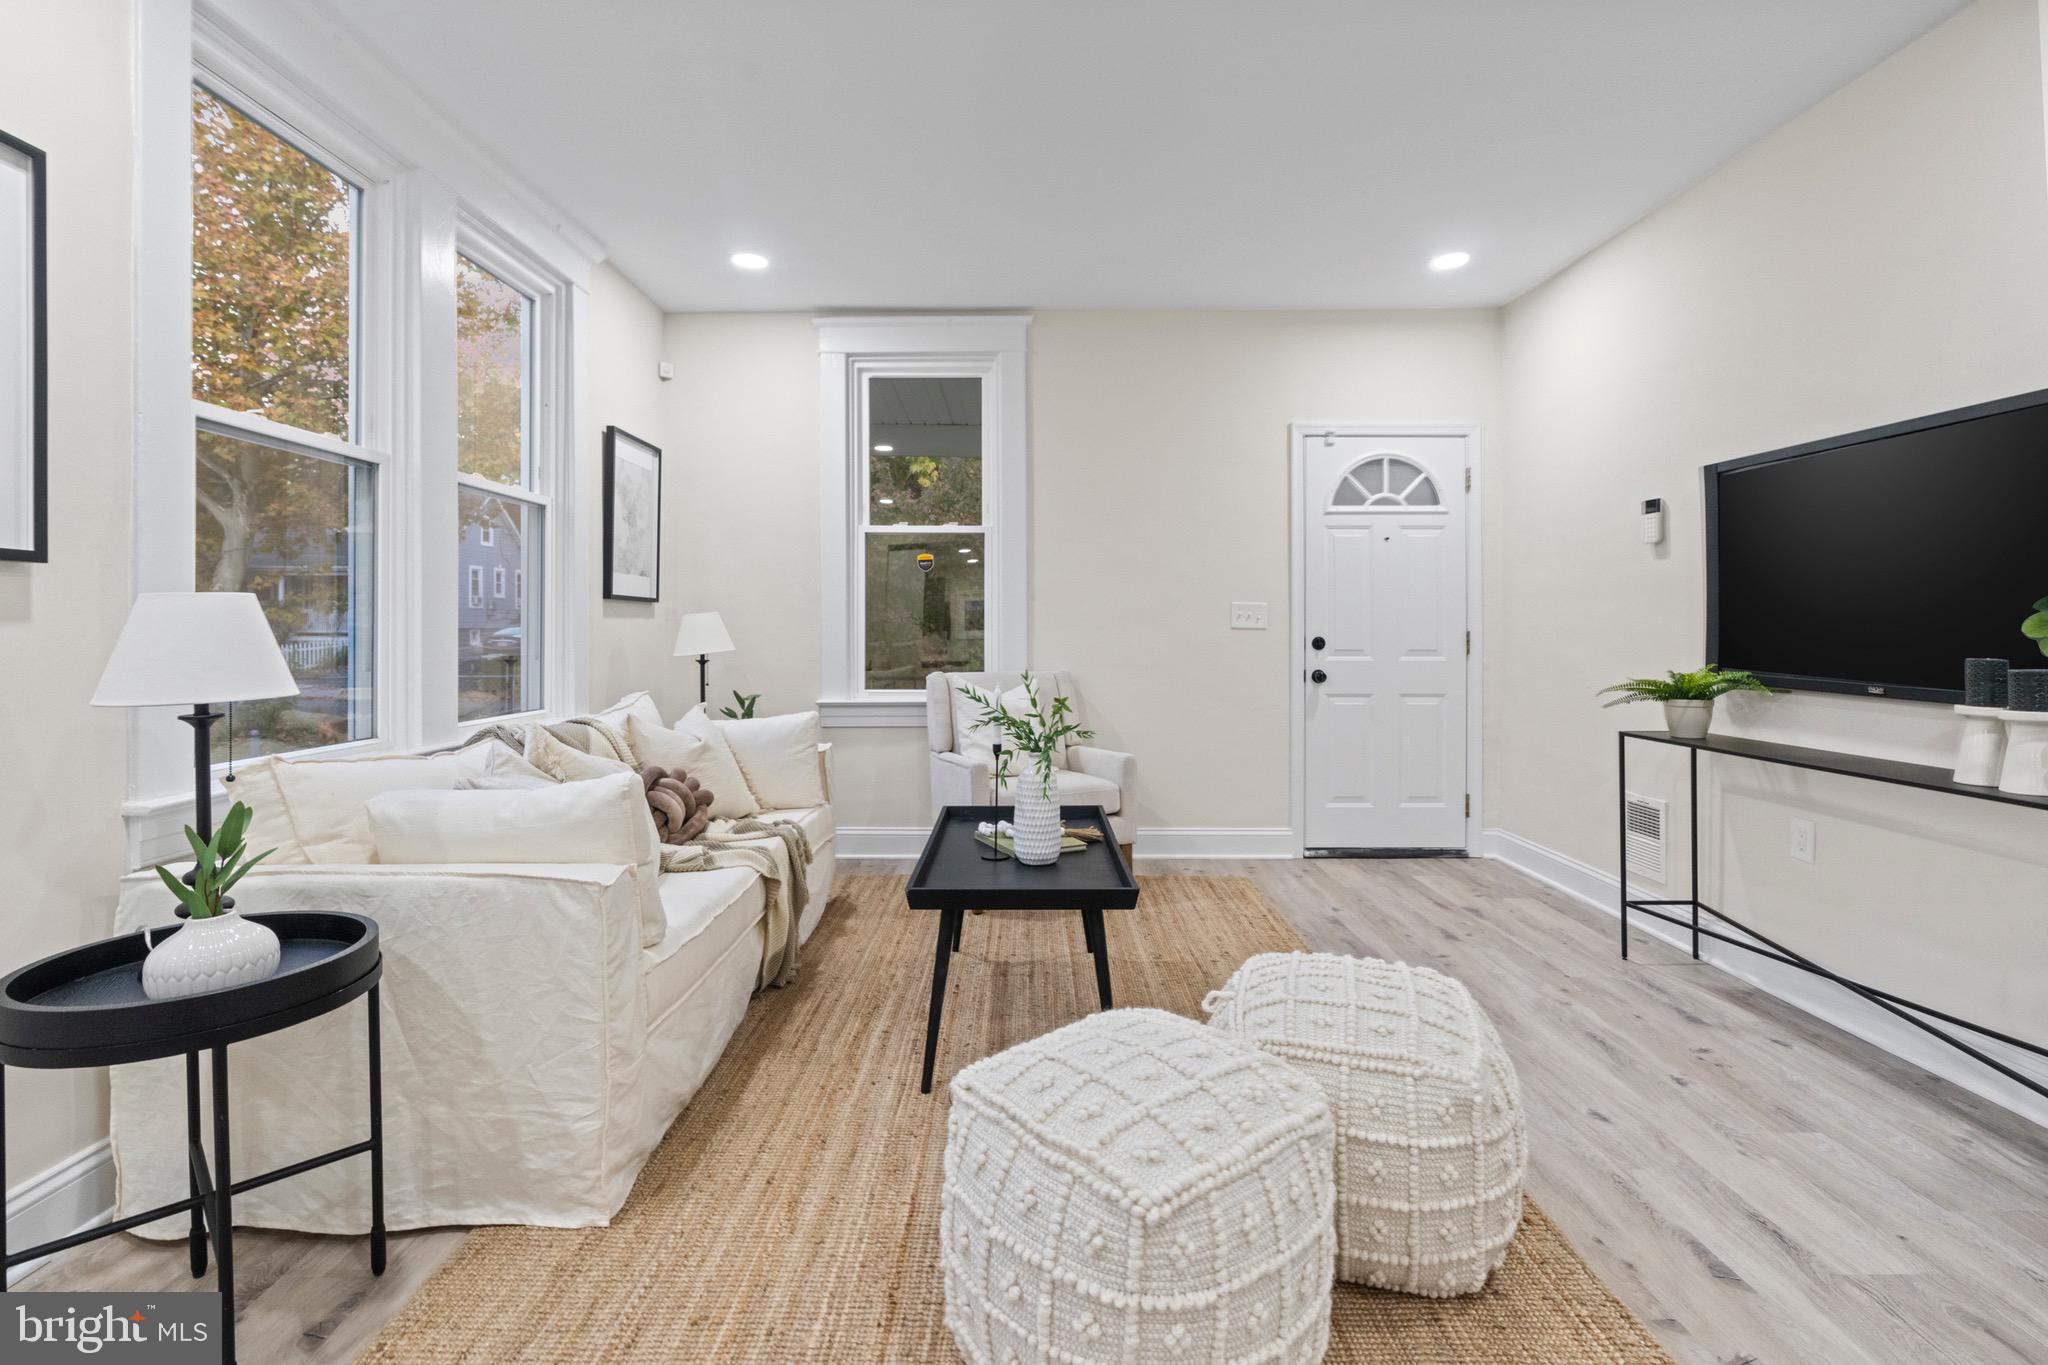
(1247, 615)
(1802, 839)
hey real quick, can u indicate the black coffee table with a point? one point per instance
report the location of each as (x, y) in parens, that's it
(954, 875)
(85, 1007)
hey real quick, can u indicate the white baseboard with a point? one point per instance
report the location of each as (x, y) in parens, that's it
(1187, 841)
(1815, 995)
(1194, 841)
(75, 1194)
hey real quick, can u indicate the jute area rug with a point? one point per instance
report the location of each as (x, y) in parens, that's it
(792, 1212)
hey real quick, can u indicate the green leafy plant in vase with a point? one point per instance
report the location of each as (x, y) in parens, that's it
(1037, 732)
(1688, 698)
(2035, 627)
(746, 702)
(215, 948)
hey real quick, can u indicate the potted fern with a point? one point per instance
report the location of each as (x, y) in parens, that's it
(216, 947)
(1039, 734)
(1688, 698)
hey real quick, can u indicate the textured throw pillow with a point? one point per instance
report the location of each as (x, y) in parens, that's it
(601, 820)
(562, 761)
(270, 823)
(325, 796)
(582, 737)
(779, 757)
(977, 741)
(696, 747)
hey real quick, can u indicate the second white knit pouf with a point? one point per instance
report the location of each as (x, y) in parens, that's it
(1431, 1148)
(1137, 1187)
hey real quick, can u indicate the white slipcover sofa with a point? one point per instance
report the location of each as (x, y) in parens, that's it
(538, 1036)
(961, 773)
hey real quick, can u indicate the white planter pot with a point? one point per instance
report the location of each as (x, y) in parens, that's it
(1688, 719)
(1037, 821)
(208, 954)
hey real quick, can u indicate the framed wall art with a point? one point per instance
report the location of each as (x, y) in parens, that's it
(24, 355)
(632, 517)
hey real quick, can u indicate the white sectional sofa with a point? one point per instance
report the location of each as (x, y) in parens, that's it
(539, 1036)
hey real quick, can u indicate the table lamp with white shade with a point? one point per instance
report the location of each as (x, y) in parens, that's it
(703, 634)
(196, 649)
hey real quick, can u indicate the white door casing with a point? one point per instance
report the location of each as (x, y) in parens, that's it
(1382, 762)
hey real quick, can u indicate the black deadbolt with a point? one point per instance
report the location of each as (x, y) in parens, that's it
(1319, 676)
(1316, 643)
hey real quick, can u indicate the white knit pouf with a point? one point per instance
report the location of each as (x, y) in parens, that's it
(1137, 1187)
(1430, 1143)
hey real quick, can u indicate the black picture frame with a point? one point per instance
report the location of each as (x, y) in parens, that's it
(632, 552)
(37, 550)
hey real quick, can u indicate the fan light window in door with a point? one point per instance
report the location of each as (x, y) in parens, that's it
(1385, 481)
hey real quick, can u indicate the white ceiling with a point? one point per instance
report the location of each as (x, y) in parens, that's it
(1117, 153)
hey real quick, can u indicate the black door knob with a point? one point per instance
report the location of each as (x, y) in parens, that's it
(1319, 676)
(1316, 643)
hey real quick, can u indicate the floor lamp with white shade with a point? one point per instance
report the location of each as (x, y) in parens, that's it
(196, 649)
(703, 634)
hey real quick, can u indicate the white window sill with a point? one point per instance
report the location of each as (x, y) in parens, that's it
(873, 713)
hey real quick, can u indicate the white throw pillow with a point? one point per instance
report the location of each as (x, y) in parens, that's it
(270, 821)
(779, 757)
(602, 820)
(977, 741)
(564, 762)
(699, 749)
(325, 796)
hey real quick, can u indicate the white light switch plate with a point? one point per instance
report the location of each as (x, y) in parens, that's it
(1247, 615)
(1802, 839)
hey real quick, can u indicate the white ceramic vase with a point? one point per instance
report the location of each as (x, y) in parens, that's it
(208, 954)
(1036, 820)
(1688, 719)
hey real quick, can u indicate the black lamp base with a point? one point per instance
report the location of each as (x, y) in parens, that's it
(201, 719)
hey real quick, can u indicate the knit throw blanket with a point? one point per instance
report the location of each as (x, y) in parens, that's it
(777, 852)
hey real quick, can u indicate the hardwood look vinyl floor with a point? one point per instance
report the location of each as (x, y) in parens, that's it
(1755, 1185)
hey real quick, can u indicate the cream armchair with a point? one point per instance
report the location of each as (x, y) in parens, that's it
(1087, 776)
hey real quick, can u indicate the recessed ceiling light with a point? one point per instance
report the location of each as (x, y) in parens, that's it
(749, 260)
(965, 551)
(886, 502)
(974, 561)
(883, 450)
(1450, 260)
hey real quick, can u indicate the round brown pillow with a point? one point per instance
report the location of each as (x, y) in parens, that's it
(678, 802)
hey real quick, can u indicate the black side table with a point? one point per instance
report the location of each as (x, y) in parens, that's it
(85, 1007)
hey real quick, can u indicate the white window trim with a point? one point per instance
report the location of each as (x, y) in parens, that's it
(427, 186)
(993, 348)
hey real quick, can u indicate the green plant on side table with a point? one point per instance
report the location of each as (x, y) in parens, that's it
(216, 947)
(1688, 698)
(2035, 627)
(746, 702)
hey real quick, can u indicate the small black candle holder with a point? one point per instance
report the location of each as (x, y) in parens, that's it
(1985, 682)
(2029, 689)
(995, 852)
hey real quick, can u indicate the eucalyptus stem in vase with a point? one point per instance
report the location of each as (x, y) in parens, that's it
(1038, 732)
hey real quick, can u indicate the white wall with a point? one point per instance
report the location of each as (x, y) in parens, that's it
(623, 335)
(64, 87)
(1159, 495)
(1883, 256)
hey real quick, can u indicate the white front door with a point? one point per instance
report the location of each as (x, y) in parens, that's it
(1384, 598)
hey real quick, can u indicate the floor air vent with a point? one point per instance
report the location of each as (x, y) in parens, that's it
(1645, 816)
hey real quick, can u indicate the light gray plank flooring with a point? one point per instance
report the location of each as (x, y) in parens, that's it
(1755, 1185)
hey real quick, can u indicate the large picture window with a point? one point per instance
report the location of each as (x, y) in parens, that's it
(286, 498)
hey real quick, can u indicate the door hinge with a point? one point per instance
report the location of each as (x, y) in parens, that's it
(1468, 478)
(1468, 643)
(1468, 805)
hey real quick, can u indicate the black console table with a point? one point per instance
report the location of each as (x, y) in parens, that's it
(1882, 770)
(85, 1007)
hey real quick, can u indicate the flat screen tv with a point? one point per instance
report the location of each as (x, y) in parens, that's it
(1878, 561)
